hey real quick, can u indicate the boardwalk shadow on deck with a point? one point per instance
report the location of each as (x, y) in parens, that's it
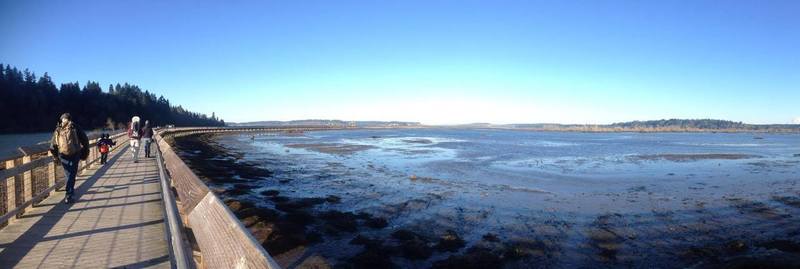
(68, 209)
(104, 199)
(13, 253)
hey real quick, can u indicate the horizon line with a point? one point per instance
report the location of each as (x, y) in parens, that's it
(513, 123)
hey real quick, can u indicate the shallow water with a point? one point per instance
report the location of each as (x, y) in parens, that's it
(572, 199)
(10, 142)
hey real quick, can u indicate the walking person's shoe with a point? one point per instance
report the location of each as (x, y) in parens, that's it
(67, 199)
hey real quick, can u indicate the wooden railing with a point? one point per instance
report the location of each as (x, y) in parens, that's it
(178, 245)
(31, 174)
(178, 132)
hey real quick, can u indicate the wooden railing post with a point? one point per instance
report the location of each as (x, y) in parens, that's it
(27, 183)
(94, 151)
(51, 172)
(91, 154)
(11, 191)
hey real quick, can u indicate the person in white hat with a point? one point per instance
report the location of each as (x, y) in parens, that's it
(134, 134)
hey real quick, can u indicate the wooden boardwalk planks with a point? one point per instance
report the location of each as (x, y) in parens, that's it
(117, 221)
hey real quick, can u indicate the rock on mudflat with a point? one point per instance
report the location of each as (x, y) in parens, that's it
(450, 241)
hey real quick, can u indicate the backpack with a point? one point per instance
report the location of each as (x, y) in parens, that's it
(68, 143)
(134, 131)
(104, 148)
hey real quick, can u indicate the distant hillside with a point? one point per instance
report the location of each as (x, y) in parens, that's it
(31, 104)
(671, 125)
(332, 123)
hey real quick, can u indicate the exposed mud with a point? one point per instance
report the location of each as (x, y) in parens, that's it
(214, 161)
(332, 148)
(694, 157)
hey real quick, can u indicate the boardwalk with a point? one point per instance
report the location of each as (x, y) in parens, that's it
(117, 221)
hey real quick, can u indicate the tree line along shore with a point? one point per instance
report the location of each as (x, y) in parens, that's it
(33, 104)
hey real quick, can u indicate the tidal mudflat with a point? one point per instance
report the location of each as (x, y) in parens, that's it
(455, 198)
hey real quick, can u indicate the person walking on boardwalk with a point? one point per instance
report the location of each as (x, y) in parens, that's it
(147, 137)
(104, 147)
(134, 134)
(69, 145)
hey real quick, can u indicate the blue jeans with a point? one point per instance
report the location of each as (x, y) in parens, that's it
(147, 142)
(70, 172)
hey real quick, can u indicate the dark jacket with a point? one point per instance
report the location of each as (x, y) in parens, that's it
(147, 132)
(105, 141)
(82, 138)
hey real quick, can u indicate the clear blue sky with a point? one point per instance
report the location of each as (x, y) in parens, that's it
(430, 61)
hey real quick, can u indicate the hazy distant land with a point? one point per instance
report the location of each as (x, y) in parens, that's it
(331, 123)
(671, 125)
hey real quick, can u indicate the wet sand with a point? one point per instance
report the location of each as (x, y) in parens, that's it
(694, 157)
(332, 148)
(691, 224)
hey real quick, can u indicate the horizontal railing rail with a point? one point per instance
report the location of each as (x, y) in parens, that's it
(22, 188)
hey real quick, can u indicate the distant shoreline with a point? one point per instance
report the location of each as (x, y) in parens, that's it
(654, 130)
(566, 130)
(652, 126)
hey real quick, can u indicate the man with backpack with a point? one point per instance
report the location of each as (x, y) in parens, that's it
(134, 134)
(69, 145)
